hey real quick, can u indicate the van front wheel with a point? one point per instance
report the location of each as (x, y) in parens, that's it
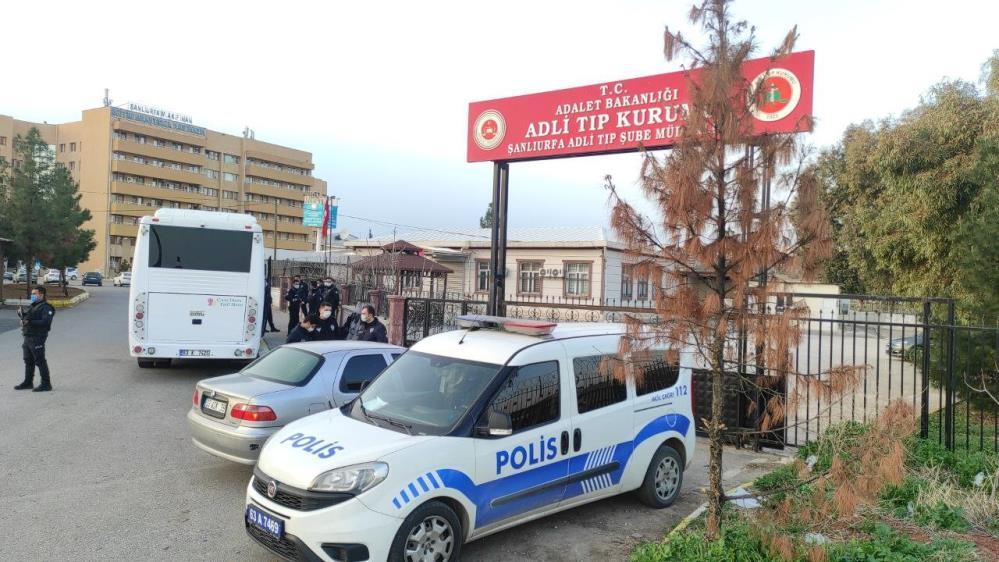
(431, 533)
(662, 479)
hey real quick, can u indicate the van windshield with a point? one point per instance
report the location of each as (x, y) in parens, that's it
(425, 393)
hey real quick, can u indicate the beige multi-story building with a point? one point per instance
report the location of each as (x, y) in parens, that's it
(130, 163)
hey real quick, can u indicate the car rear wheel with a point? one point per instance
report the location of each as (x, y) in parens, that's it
(663, 478)
(431, 533)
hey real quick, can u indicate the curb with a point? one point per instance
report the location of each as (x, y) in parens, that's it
(686, 521)
(702, 508)
(56, 303)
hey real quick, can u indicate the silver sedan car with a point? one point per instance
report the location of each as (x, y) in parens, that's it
(231, 416)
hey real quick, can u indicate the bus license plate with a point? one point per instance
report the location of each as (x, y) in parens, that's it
(215, 406)
(265, 522)
(195, 353)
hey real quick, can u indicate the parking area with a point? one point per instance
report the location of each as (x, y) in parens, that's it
(103, 468)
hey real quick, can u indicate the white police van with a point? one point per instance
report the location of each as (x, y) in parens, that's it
(471, 432)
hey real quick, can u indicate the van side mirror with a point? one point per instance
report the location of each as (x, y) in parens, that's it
(499, 424)
(364, 385)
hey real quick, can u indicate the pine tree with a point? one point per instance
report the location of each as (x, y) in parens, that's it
(486, 221)
(27, 216)
(68, 243)
(714, 233)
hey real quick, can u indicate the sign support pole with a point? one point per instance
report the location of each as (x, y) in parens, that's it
(497, 253)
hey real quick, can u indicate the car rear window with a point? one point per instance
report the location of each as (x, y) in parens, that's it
(287, 365)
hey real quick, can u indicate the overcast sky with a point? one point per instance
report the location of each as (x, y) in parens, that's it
(379, 91)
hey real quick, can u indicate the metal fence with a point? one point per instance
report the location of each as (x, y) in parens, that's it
(901, 348)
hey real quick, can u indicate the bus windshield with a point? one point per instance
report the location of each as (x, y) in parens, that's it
(207, 249)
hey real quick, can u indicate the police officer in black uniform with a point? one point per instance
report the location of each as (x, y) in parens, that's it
(296, 297)
(331, 295)
(35, 325)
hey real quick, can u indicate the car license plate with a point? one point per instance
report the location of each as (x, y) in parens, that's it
(195, 353)
(215, 407)
(265, 522)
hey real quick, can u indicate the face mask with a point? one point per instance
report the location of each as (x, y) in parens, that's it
(309, 329)
(325, 315)
(366, 318)
(34, 298)
(328, 283)
(295, 285)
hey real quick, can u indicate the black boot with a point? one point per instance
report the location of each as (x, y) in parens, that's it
(26, 385)
(44, 387)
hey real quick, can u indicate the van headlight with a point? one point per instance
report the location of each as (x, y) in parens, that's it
(351, 479)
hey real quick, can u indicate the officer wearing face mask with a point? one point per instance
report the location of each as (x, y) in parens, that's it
(327, 328)
(296, 298)
(331, 294)
(367, 327)
(306, 331)
(35, 325)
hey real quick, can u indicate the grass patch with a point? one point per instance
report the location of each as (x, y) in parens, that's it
(935, 505)
(974, 428)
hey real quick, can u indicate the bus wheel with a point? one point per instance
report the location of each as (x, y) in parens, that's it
(146, 363)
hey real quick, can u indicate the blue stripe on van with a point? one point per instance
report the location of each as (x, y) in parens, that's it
(482, 494)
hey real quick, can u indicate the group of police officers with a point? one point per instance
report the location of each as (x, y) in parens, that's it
(312, 315)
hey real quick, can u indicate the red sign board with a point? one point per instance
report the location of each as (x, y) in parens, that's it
(621, 116)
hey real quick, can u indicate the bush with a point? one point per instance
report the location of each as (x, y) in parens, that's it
(964, 465)
(736, 544)
(886, 545)
(901, 498)
(941, 516)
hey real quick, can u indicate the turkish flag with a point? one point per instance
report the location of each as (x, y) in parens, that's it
(326, 218)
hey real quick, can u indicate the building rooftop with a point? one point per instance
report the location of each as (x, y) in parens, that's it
(573, 236)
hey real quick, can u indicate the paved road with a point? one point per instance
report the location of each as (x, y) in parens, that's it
(102, 468)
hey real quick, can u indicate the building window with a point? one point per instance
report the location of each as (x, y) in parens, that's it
(643, 287)
(597, 384)
(412, 280)
(230, 195)
(529, 277)
(3, 141)
(72, 147)
(231, 159)
(72, 166)
(212, 155)
(62, 147)
(577, 279)
(627, 282)
(228, 177)
(140, 139)
(481, 276)
(213, 174)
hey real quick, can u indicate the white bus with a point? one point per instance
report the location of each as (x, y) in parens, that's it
(197, 287)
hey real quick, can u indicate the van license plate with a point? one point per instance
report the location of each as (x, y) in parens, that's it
(265, 522)
(214, 407)
(195, 353)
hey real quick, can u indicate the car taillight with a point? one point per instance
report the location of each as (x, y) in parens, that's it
(194, 400)
(253, 413)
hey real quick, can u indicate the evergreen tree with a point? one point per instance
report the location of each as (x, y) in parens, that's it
(26, 216)
(69, 244)
(486, 221)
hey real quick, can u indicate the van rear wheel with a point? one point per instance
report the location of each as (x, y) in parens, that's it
(663, 478)
(146, 363)
(431, 533)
